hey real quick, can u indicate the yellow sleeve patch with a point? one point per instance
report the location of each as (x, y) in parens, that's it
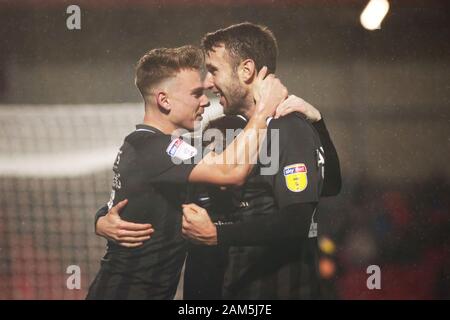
(295, 176)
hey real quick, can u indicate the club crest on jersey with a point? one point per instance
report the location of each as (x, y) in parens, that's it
(295, 176)
(181, 149)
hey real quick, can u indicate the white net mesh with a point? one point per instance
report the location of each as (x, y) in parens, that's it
(55, 172)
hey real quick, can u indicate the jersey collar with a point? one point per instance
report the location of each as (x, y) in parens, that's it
(242, 117)
(245, 119)
(145, 127)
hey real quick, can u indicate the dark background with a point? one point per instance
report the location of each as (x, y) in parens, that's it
(385, 95)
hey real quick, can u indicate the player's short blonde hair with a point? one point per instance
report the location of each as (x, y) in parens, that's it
(162, 63)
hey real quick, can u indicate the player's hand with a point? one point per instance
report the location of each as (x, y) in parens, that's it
(197, 225)
(296, 104)
(124, 233)
(269, 92)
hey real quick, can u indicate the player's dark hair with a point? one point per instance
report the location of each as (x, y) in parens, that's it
(162, 63)
(245, 41)
(224, 123)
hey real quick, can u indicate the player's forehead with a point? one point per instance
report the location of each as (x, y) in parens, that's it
(217, 57)
(189, 79)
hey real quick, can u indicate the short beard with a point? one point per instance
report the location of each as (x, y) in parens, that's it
(237, 103)
(232, 110)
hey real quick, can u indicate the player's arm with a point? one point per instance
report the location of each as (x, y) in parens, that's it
(109, 225)
(296, 201)
(233, 165)
(290, 224)
(332, 181)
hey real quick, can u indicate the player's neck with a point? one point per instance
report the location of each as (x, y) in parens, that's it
(155, 120)
(249, 106)
(248, 113)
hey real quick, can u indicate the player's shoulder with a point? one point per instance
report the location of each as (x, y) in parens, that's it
(147, 139)
(294, 121)
(293, 128)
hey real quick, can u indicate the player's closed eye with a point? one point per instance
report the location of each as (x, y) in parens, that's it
(198, 93)
(212, 70)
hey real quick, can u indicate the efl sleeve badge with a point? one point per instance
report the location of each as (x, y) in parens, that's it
(295, 176)
(181, 149)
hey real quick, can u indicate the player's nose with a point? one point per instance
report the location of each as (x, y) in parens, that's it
(208, 83)
(204, 101)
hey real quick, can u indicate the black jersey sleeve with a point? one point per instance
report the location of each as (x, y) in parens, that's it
(100, 213)
(332, 175)
(161, 159)
(290, 224)
(299, 176)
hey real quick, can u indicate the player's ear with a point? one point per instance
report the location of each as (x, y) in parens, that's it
(247, 71)
(162, 99)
